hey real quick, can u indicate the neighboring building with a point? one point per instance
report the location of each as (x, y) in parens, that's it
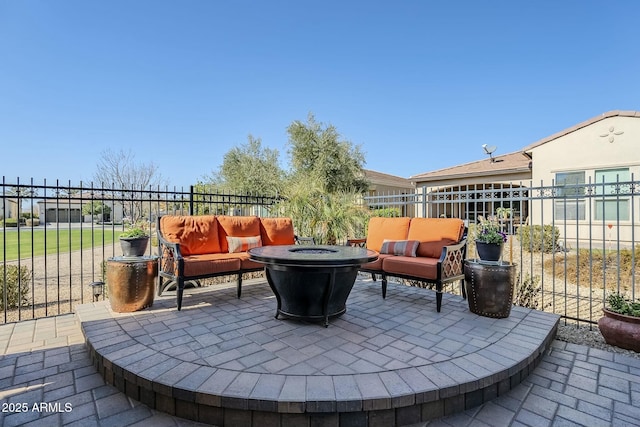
(10, 208)
(388, 184)
(390, 191)
(70, 210)
(602, 149)
(507, 171)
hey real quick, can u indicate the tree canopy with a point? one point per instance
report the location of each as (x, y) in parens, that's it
(317, 150)
(250, 168)
(121, 170)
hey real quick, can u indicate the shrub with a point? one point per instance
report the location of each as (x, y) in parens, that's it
(387, 212)
(622, 305)
(134, 232)
(527, 292)
(10, 222)
(95, 208)
(539, 238)
(16, 286)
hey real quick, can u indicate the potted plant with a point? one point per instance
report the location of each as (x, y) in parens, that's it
(134, 241)
(620, 325)
(489, 239)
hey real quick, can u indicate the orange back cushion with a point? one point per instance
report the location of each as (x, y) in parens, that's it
(434, 234)
(236, 226)
(386, 228)
(277, 231)
(196, 234)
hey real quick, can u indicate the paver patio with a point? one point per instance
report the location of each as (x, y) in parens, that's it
(46, 361)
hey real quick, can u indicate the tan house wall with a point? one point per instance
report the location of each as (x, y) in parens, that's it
(586, 149)
(597, 146)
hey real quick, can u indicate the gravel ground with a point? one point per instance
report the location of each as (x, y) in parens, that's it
(588, 335)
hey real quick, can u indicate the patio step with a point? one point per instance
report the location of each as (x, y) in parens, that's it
(394, 361)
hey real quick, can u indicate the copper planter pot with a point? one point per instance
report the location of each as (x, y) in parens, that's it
(131, 282)
(489, 287)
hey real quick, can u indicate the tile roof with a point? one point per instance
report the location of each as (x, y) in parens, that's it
(519, 161)
(380, 178)
(503, 164)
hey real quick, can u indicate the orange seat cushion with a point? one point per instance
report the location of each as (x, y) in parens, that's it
(236, 226)
(421, 267)
(386, 228)
(434, 234)
(277, 231)
(195, 234)
(210, 264)
(375, 265)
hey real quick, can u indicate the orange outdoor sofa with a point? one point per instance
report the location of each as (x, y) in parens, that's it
(428, 250)
(197, 247)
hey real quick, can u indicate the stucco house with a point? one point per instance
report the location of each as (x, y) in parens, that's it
(389, 191)
(71, 210)
(9, 208)
(572, 162)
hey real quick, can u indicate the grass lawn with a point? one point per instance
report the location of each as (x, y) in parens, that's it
(63, 240)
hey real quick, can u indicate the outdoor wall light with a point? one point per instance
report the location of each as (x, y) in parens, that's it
(97, 289)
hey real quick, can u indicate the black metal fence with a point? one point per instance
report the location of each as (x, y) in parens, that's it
(572, 243)
(56, 237)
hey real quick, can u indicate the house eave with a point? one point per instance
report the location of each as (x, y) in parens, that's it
(501, 172)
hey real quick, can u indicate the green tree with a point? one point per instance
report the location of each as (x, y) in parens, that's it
(96, 208)
(318, 151)
(251, 169)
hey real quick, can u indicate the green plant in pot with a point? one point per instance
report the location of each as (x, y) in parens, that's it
(134, 241)
(489, 239)
(620, 325)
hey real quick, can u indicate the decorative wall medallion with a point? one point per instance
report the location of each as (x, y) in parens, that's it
(611, 133)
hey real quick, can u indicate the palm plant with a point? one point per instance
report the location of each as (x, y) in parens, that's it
(327, 217)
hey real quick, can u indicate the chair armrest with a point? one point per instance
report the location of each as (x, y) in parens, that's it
(170, 260)
(360, 243)
(451, 262)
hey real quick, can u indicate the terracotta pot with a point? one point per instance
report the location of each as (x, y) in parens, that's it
(488, 251)
(620, 330)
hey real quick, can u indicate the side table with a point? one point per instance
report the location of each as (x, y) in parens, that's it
(489, 287)
(131, 282)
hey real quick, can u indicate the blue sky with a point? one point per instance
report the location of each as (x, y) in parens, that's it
(419, 85)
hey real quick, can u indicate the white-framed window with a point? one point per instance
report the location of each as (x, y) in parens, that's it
(569, 201)
(612, 201)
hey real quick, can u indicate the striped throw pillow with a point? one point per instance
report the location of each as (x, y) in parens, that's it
(400, 247)
(243, 244)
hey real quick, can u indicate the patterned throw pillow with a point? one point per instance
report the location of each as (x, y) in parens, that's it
(243, 244)
(399, 247)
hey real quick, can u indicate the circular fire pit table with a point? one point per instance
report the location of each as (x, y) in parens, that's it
(311, 282)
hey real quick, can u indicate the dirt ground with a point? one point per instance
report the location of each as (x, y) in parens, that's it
(68, 275)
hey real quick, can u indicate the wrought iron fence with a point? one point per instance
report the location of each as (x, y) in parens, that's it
(56, 237)
(572, 243)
